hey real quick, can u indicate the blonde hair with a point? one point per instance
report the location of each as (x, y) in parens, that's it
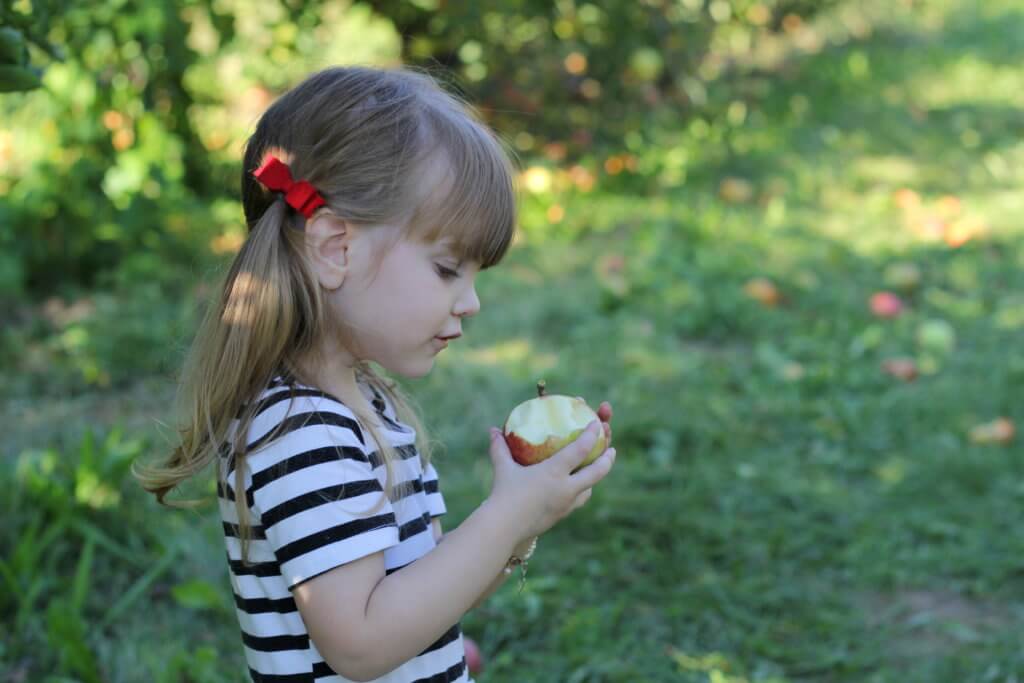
(362, 137)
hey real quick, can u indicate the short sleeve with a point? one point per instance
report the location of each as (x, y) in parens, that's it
(431, 487)
(321, 505)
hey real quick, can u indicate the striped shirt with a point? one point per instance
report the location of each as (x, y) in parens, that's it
(316, 501)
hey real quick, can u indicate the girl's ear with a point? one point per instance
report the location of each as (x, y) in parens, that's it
(328, 239)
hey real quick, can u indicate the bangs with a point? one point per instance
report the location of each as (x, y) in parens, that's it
(470, 197)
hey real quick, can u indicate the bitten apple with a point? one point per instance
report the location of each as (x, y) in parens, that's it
(538, 428)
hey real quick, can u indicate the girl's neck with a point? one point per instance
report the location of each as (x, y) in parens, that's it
(335, 373)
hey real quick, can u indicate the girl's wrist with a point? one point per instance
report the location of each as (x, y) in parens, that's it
(521, 559)
(509, 512)
(508, 533)
(525, 548)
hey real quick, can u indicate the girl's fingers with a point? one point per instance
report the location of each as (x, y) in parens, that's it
(499, 448)
(589, 476)
(604, 411)
(575, 453)
(581, 499)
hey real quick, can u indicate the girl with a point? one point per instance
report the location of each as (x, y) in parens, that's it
(373, 199)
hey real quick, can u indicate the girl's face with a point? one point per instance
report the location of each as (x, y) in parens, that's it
(393, 314)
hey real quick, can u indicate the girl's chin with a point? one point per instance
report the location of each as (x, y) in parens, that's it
(412, 370)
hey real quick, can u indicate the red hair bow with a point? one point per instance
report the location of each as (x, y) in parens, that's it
(274, 174)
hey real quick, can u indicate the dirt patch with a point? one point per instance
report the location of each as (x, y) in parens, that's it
(926, 623)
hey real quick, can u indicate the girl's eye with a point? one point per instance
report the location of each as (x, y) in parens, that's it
(446, 273)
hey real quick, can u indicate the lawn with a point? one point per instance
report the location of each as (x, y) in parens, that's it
(785, 508)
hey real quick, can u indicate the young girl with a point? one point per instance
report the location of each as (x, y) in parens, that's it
(373, 199)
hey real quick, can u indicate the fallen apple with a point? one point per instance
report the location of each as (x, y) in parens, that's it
(907, 199)
(936, 336)
(474, 660)
(999, 431)
(904, 369)
(763, 291)
(886, 305)
(736, 190)
(538, 428)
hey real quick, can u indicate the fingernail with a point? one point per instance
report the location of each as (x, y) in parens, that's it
(494, 433)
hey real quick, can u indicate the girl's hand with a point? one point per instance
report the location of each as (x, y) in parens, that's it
(604, 413)
(535, 498)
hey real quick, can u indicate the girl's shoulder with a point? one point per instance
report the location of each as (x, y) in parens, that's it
(285, 389)
(378, 399)
(286, 405)
(385, 410)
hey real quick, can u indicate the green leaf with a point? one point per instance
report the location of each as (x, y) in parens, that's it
(93, 534)
(83, 573)
(17, 78)
(197, 594)
(66, 631)
(140, 586)
(12, 46)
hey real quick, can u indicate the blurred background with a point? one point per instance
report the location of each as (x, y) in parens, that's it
(782, 237)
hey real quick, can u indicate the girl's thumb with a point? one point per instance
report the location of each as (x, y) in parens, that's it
(499, 449)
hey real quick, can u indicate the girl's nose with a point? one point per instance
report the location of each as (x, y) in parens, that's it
(467, 304)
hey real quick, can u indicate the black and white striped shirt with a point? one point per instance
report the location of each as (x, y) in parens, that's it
(316, 501)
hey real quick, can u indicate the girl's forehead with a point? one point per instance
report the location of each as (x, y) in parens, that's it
(449, 249)
(440, 225)
(444, 246)
(464, 206)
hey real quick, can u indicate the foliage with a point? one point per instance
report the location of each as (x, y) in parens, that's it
(136, 133)
(65, 510)
(156, 121)
(18, 29)
(572, 74)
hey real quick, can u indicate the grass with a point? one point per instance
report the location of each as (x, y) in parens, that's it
(782, 509)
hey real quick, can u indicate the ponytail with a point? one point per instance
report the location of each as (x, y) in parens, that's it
(237, 349)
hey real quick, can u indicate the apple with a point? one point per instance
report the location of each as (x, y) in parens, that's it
(736, 190)
(763, 290)
(904, 369)
(999, 431)
(474, 660)
(907, 199)
(936, 336)
(538, 428)
(886, 305)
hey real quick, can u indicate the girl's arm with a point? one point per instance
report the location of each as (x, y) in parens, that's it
(366, 623)
(520, 551)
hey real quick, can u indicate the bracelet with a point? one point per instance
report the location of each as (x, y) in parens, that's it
(521, 562)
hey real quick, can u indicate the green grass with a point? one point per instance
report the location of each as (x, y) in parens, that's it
(781, 510)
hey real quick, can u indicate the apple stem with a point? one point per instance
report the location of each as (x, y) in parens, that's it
(541, 387)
